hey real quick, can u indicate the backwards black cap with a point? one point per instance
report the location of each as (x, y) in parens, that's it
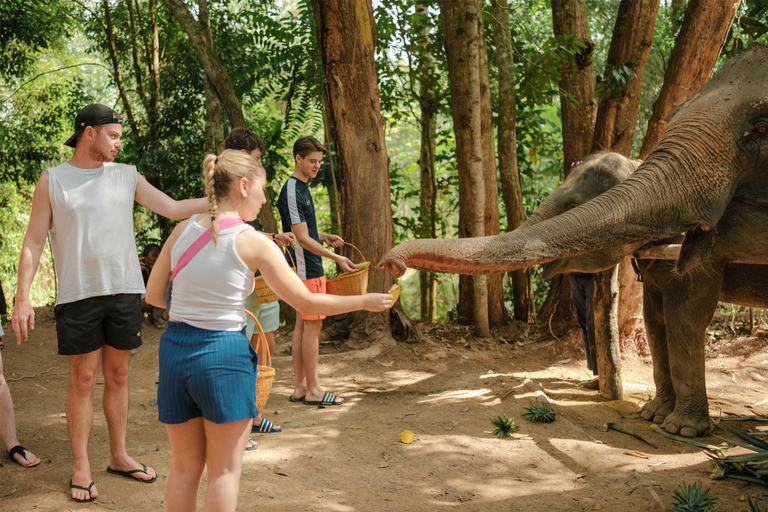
(92, 115)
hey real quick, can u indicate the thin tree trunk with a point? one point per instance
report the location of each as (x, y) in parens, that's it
(215, 72)
(497, 313)
(476, 177)
(697, 47)
(117, 73)
(428, 190)
(214, 120)
(630, 44)
(615, 125)
(345, 34)
(606, 328)
(154, 77)
(675, 7)
(137, 71)
(456, 36)
(525, 309)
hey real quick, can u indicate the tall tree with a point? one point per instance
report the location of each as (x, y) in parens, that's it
(698, 45)
(619, 91)
(345, 35)
(615, 125)
(429, 103)
(455, 22)
(198, 33)
(525, 309)
(578, 108)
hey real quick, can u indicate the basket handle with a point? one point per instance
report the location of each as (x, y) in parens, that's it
(358, 250)
(286, 251)
(262, 339)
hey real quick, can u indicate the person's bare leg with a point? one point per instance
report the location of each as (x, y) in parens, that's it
(224, 458)
(8, 421)
(188, 449)
(83, 371)
(300, 382)
(115, 369)
(310, 352)
(263, 356)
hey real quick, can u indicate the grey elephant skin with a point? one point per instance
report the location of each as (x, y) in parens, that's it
(713, 156)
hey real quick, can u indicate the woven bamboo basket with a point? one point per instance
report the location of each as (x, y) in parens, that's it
(264, 293)
(266, 374)
(350, 283)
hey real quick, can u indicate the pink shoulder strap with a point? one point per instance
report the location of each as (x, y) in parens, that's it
(201, 242)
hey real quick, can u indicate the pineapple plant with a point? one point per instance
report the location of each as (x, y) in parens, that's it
(539, 412)
(505, 426)
(692, 498)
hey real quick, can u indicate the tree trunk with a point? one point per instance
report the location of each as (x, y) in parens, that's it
(627, 56)
(345, 34)
(525, 308)
(454, 24)
(116, 72)
(697, 47)
(428, 105)
(577, 82)
(615, 125)
(214, 120)
(203, 46)
(607, 334)
(477, 217)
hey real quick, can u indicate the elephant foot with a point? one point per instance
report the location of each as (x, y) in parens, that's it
(687, 424)
(658, 409)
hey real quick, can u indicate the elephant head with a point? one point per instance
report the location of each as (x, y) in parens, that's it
(714, 150)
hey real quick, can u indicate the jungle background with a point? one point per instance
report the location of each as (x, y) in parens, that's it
(464, 115)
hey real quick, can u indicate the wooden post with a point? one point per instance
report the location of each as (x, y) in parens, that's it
(606, 308)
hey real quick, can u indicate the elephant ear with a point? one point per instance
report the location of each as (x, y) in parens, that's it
(698, 246)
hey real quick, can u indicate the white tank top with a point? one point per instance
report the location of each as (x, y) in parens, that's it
(210, 292)
(92, 238)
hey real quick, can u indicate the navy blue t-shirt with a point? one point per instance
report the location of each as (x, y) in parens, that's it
(296, 206)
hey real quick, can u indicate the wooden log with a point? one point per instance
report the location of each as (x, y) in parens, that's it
(658, 252)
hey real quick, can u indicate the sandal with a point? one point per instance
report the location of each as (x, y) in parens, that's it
(129, 474)
(266, 427)
(73, 486)
(328, 399)
(251, 448)
(18, 449)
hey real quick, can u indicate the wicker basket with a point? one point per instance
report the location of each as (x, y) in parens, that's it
(350, 283)
(264, 293)
(266, 374)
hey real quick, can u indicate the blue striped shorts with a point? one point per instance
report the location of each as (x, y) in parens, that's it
(203, 373)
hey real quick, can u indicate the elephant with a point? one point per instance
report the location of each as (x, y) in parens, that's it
(677, 308)
(712, 157)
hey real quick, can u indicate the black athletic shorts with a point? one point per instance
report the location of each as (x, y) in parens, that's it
(88, 324)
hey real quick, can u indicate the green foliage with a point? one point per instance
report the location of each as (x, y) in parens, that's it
(691, 498)
(539, 412)
(505, 426)
(749, 28)
(753, 505)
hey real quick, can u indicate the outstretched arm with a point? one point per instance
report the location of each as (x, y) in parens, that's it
(157, 201)
(29, 260)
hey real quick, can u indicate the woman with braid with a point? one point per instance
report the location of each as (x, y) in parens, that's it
(207, 365)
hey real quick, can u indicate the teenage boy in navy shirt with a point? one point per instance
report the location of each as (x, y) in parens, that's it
(297, 213)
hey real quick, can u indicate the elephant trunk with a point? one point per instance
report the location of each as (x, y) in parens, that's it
(644, 207)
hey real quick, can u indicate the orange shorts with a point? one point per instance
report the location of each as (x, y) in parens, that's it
(315, 285)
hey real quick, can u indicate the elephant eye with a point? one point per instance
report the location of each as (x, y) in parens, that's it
(570, 206)
(760, 126)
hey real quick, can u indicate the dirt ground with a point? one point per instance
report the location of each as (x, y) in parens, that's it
(350, 458)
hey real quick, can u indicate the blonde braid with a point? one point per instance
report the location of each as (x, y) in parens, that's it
(209, 173)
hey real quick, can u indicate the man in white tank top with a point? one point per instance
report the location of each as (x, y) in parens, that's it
(87, 205)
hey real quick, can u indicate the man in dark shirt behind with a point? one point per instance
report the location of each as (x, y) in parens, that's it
(297, 213)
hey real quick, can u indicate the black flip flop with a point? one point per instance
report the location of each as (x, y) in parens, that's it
(73, 486)
(129, 474)
(23, 452)
(293, 399)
